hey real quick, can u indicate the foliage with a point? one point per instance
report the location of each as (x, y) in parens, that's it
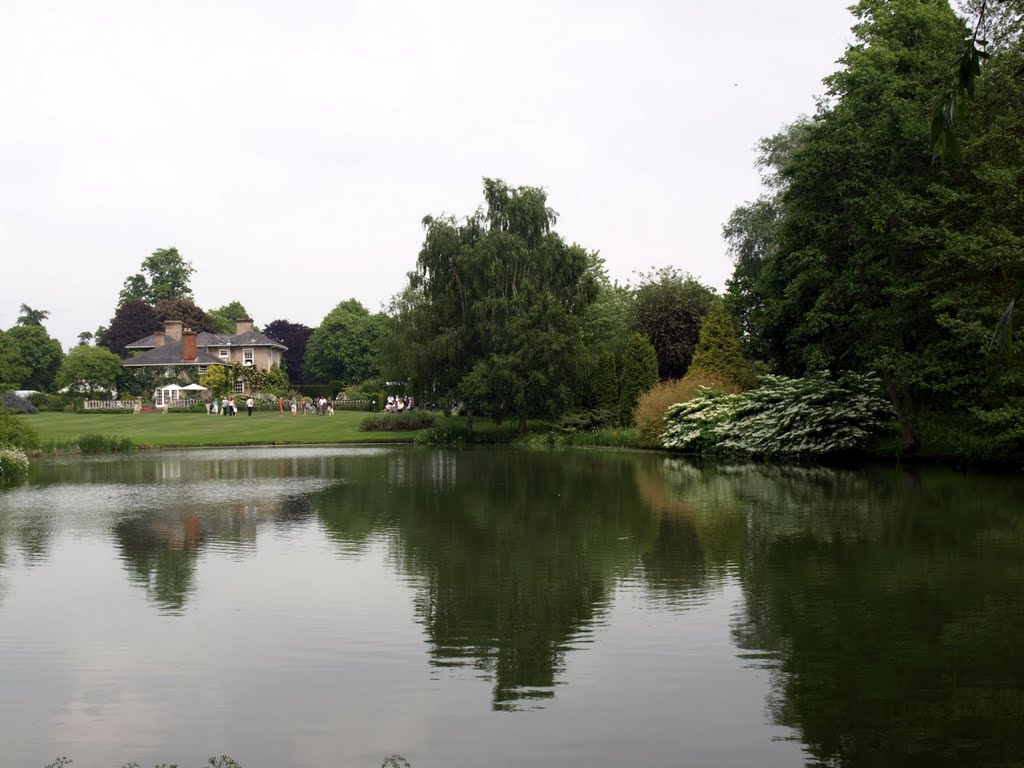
(605, 382)
(13, 369)
(451, 434)
(718, 352)
(881, 260)
(13, 465)
(397, 422)
(343, 346)
(84, 338)
(164, 275)
(649, 414)
(224, 317)
(39, 353)
(639, 374)
(44, 402)
(816, 415)
(667, 309)
(295, 336)
(86, 369)
(492, 316)
(29, 316)
(587, 420)
(191, 316)
(220, 379)
(273, 380)
(605, 437)
(132, 321)
(17, 404)
(15, 431)
(95, 443)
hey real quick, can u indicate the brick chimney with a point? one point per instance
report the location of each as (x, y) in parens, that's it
(159, 338)
(173, 329)
(188, 345)
(243, 325)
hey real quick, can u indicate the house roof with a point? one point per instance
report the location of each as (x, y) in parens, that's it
(204, 339)
(170, 354)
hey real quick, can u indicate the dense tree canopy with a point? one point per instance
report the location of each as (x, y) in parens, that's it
(295, 336)
(667, 308)
(493, 313)
(13, 370)
(164, 275)
(224, 317)
(39, 354)
(875, 258)
(190, 315)
(133, 320)
(89, 369)
(343, 347)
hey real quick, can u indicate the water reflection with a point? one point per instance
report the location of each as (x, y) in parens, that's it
(885, 606)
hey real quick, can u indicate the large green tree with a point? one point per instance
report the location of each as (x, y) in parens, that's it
(667, 308)
(39, 354)
(164, 275)
(89, 369)
(13, 370)
(493, 313)
(343, 347)
(883, 260)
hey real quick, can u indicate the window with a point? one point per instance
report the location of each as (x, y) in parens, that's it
(239, 386)
(202, 370)
(169, 372)
(247, 356)
(225, 353)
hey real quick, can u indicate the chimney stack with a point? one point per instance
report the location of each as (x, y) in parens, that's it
(188, 345)
(159, 338)
(243, 325)
(173, 329)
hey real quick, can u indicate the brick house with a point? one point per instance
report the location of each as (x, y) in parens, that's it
(176, 347)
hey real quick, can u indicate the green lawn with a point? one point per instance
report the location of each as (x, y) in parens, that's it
(184, 429)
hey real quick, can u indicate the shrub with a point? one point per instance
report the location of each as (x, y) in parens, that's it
(16, 432)
(639, 373)
(813, 416)
(17, 403)
(13, 465)
(606, 383)
(457, 435)
(649, 414)
(609, 437)
(586, 420)
(94, 443)
(44, 402)
(397, 422)
(718, 352)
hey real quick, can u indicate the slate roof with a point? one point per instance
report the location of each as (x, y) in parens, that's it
(204, 339)
(170, 354)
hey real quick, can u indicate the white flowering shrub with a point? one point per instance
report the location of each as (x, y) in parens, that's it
(13, 465)
(813, 416)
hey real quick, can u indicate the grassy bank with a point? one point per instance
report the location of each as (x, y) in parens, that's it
(198, 429)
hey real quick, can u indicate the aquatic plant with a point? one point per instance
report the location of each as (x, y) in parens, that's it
(13, 465)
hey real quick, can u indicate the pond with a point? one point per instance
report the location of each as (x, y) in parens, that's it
(331, 606)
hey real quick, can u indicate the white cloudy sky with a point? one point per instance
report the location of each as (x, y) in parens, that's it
(289, 149)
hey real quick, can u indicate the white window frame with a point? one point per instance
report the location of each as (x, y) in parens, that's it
(240, 386)
(248, 356)
(202, 369)
(225, 353)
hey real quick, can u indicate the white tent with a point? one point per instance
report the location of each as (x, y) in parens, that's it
(195, 387)
(166, 395)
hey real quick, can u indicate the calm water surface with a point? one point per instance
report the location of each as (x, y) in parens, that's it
(330, 606)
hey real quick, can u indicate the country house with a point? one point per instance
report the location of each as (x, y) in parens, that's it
(177, 347)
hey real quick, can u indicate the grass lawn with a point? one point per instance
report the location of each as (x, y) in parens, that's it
(184, 429)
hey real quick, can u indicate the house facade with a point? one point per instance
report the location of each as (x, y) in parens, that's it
(176, 348)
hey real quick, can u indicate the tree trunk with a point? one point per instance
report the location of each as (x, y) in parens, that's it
(469, 421)
(522, 423)
(906, 411)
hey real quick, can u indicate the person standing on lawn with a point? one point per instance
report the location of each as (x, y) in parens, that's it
(249, 405)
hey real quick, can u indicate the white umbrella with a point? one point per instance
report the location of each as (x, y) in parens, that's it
(171, 386)
(194, 387)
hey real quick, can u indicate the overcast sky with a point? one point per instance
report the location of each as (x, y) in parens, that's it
(290, 149)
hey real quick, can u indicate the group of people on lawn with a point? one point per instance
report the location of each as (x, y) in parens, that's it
(226, 406)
